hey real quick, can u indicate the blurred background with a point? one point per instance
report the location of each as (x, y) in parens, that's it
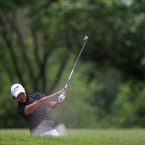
(40, 41)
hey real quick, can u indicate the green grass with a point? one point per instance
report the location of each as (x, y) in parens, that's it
(75, 137)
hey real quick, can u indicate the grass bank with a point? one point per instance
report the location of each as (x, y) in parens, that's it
(75, 137)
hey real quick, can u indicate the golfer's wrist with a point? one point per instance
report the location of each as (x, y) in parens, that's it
(43, 101)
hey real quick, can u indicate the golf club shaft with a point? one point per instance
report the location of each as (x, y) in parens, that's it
(86, 38)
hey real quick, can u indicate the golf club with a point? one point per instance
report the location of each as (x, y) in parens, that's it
(85, 39)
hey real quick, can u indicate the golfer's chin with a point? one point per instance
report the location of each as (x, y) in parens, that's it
(23, 101)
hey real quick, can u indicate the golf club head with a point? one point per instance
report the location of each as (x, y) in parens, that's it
(86, 37)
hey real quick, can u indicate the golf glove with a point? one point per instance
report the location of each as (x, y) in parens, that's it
(61, 97)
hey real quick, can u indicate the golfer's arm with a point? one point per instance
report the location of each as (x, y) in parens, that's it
(53, 105)
(32, 107)
(51, 97)
(47, 101)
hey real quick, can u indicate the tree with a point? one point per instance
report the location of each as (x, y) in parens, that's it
(31, 44)
(118, 39)
(31, 41)
(38, 38)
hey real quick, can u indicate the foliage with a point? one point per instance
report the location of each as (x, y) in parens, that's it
(75, 109)
(129, 106)
(39, 40)
(117, 39)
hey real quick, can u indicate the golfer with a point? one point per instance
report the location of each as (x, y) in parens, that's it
(33, 109)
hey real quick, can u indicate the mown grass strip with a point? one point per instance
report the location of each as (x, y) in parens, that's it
(25, 139)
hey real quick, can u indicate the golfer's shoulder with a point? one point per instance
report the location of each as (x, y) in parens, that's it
(36, 95)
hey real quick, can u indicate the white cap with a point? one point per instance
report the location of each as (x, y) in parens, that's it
(16, 89)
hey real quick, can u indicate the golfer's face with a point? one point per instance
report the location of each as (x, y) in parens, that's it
(21, 97)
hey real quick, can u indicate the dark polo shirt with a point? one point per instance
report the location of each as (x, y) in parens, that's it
(38, 121)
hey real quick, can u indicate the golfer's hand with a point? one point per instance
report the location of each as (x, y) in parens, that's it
(63, 90)
(61, 96)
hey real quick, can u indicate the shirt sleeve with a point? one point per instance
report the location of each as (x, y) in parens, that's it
(20, 109)
(39, 96)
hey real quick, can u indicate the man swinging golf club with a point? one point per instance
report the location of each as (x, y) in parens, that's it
(33, 109)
